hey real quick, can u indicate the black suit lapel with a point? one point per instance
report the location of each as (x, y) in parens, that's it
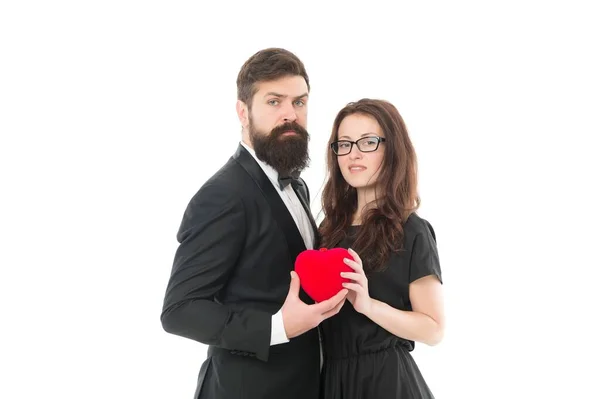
(301, 191)
(280, 212)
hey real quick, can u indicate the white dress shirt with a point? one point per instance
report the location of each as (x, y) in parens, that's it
(293, 204)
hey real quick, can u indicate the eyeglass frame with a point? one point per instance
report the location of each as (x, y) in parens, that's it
(352, 143)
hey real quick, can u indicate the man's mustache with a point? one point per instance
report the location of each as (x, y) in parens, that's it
(289, 127)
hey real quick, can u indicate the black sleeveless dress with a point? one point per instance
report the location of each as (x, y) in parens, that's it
(363, 360)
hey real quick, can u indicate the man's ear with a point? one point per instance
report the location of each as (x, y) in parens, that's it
(242, 112)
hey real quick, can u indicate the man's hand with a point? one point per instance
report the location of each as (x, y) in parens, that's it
(299, 317)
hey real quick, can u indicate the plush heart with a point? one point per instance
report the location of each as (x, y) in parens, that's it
(319, 271)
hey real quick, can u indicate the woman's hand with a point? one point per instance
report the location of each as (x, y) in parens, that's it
(358, 289)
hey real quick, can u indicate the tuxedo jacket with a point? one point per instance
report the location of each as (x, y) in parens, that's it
(231, 273)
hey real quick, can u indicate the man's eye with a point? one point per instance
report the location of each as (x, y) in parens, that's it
(273, 102)
(300, 103)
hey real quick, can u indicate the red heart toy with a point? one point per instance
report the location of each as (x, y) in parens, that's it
(319, 271)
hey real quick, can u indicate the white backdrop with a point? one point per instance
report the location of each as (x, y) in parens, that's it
(106, 112)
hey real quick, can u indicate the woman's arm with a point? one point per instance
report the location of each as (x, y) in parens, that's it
(425, 323)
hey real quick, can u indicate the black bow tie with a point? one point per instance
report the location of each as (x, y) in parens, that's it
(285, 180)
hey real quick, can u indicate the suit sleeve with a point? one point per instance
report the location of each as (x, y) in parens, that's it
(211, 238)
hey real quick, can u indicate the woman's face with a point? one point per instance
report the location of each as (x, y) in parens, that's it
(360, 168)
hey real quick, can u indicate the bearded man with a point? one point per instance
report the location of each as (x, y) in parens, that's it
(232, 285)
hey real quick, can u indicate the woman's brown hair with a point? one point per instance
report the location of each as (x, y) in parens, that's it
(381, 232)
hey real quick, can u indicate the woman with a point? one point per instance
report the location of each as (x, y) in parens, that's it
(395, 294)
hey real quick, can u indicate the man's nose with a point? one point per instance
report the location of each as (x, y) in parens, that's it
(289, 113)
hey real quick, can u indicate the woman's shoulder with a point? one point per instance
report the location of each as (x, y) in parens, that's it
(416, 225)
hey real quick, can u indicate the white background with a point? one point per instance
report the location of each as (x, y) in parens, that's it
(107, 113)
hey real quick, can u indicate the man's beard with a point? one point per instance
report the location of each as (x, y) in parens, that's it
(285, 154)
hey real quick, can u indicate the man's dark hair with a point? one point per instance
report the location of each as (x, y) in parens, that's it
(264, 66)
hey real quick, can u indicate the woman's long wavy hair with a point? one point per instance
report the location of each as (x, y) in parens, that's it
(381, 232)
